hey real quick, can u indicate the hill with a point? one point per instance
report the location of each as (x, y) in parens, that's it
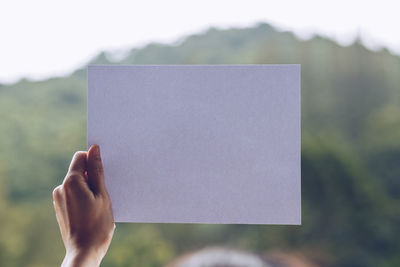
(350, 153)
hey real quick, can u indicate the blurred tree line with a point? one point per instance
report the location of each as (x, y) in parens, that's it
(350, 155)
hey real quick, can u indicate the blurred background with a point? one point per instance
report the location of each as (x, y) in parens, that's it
(349, 55)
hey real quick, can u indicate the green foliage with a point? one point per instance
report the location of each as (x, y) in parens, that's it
(139, 245)
(350, 156)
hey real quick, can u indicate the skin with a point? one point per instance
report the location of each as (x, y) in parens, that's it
(83, 210)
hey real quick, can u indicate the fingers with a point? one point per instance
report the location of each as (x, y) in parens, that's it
(78, 163)
(75, 184)
(59, 201)
(75, 181)
(95, 171)
(60, 209)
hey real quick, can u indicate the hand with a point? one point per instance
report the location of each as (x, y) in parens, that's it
(83, 210)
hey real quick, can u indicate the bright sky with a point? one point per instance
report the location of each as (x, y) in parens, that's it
(43, 38)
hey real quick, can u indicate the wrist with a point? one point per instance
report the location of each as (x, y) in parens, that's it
(81, 257)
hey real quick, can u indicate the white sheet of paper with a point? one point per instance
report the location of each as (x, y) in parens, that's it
(199, 143)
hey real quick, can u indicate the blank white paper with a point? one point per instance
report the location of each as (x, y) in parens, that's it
(199, 143)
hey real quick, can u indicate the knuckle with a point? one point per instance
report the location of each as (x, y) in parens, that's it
(71, 180)
(79, 154)
(57, 193)
(74, 175)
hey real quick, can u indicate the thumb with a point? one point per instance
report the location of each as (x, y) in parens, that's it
(95, 170)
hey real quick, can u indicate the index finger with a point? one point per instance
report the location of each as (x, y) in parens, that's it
(78, 163)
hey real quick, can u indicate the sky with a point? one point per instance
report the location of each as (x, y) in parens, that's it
(45, 38)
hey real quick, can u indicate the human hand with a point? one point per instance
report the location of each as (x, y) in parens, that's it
(83, 210)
